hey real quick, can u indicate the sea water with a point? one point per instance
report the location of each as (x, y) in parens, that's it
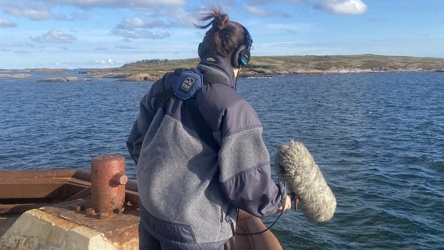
(378, 138)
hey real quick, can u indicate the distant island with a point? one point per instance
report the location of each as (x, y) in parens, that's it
(262, 66)
(259, 66)
(25, 73)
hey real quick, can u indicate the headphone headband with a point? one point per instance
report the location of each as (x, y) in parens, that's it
(248, 40)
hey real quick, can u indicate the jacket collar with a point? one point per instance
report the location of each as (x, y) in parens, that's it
(217, 70)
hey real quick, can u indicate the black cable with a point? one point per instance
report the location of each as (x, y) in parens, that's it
(263, 231)
(272, 224)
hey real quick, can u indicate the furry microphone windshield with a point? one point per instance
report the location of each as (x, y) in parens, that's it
(296, 166)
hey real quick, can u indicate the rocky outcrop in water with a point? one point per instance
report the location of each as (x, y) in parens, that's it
(137, 78)
(60, 79)
(15, 75)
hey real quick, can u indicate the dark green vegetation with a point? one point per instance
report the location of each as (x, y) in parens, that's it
(284, 65)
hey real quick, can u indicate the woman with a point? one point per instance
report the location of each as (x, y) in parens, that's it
(199, 150)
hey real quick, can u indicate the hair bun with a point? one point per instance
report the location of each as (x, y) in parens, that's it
(219, 22)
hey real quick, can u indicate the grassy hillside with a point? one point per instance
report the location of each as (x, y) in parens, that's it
(282, 65)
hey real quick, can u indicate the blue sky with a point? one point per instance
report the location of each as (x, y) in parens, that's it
(109, 33)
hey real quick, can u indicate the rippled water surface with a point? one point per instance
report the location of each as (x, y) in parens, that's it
(378, 139)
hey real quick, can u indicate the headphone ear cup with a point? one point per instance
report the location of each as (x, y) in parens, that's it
(238, 55)
(241, 57)
(244, 57)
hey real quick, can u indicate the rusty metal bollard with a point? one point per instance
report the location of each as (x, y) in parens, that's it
(108, 181)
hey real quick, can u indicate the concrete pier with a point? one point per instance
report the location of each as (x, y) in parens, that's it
(62, 226)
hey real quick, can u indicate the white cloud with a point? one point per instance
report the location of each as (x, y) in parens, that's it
(39, 10)
(131, 33)
(36, 11)
(135, 22)
(182, 17)
(143, 23)
(341, 7)
(256, 11)
(128, 4)
(105, 61)
(289, 26)
(6, 24)
(274, 1)
(54, 36)
(135, 28)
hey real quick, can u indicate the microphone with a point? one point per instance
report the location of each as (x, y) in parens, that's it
(295, 165)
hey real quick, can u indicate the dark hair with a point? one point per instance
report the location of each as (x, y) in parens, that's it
(223, 37)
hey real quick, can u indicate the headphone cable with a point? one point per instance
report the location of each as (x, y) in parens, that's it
(272, 224)
(263, 231)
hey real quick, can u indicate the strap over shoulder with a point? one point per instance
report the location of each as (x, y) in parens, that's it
(185, 88)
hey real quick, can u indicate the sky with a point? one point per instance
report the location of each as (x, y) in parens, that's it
(74, 34)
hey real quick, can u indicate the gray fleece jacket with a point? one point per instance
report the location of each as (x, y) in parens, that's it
(191, 192)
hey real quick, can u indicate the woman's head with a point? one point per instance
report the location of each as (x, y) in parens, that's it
(227, 39)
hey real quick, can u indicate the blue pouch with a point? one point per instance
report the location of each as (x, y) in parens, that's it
(188, 83)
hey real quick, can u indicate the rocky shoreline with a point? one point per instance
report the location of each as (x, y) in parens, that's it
(121, 76)
(140, 77)
(266, 66)
(338, 71)
(261, 66)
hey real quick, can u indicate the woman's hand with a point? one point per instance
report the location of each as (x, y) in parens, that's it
(286, 206)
